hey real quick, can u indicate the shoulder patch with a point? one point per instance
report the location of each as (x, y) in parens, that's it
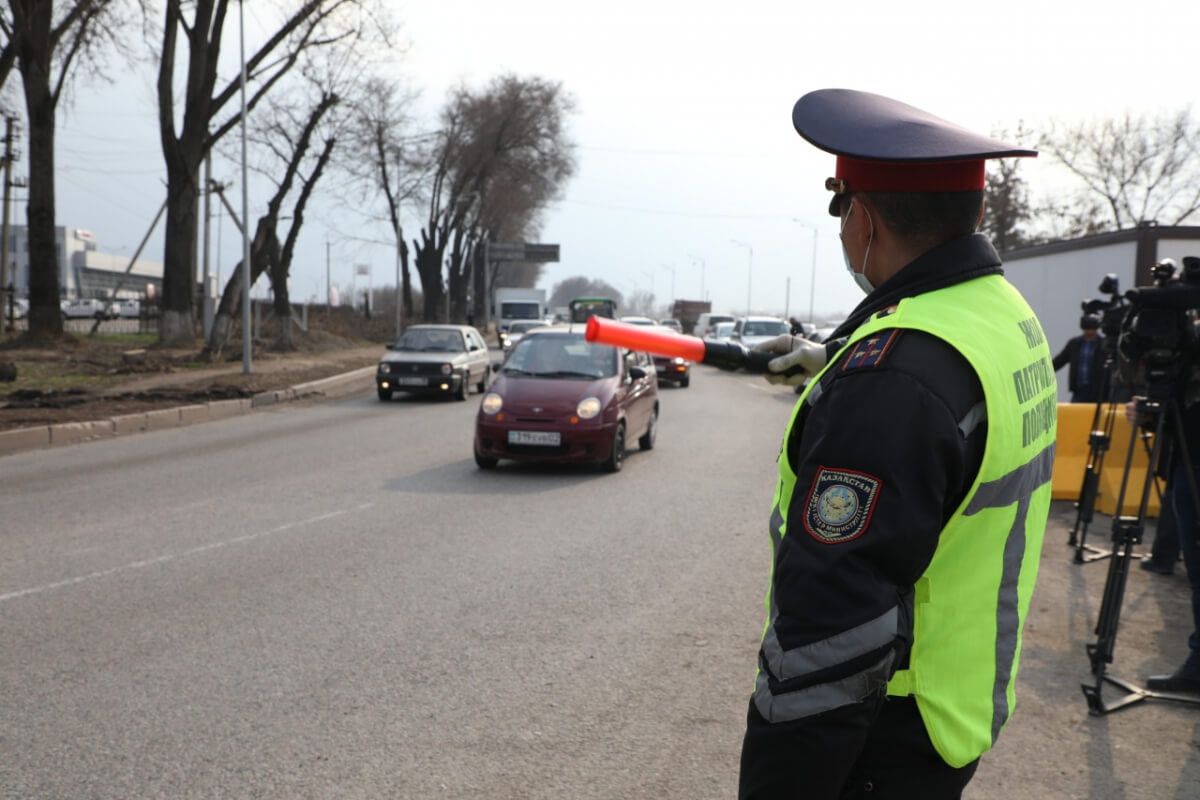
(871, 351)
(840, 504)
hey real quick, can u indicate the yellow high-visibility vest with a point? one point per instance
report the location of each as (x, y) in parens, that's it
(970, 604)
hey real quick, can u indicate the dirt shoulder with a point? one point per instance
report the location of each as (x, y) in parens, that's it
(91, 379)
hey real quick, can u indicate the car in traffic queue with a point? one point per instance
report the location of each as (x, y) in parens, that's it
(670, 369)
(516, 330)
(559, 398)
(720, 332)
(753, 331)
(673, 324)
(708, 321)
(435, 359)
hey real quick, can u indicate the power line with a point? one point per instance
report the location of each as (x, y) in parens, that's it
(673, 213)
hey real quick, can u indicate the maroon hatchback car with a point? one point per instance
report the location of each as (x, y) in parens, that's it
(559, 398)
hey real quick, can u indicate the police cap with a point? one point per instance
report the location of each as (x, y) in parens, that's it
(883, 145)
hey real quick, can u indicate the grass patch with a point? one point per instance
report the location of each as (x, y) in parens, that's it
(50, 375)
(126, 339)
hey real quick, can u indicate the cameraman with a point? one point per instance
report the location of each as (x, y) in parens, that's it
(1179, 500)
(1085, 354)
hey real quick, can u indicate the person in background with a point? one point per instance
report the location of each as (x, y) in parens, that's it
(1086, 357)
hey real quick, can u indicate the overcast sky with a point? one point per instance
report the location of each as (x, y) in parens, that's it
(683, 123)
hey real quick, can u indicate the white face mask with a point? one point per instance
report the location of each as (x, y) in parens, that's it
(859, 277)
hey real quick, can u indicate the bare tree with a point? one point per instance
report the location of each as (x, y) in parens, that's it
(286, 134)
(509, 135)
(47, 43)
(382, 154)
(1140, 167)
(210, 111)
(8, 48)
(568, 289)
(642, 303)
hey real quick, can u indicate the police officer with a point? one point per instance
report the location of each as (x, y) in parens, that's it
(914, 480)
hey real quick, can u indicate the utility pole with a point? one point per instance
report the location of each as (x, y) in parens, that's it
(749, 275)
(694, 259)
(328, 285)
(787, 298)
(6, 292)
(247, 341)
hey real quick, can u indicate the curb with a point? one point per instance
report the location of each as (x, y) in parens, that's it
(61, 434)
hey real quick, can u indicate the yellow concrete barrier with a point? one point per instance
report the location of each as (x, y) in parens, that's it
(1074, 427)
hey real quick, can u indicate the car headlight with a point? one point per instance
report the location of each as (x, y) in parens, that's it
(680, 361)
(384, 368)
(588, 407)
(447, 369)
(492, 403)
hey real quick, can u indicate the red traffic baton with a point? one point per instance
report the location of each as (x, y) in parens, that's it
(663, 342)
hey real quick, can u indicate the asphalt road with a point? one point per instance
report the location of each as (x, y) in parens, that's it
(331, 601)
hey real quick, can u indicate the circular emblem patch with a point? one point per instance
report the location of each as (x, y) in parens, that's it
(836, 505)
(840, 504)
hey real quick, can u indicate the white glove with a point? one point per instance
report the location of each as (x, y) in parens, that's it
(794, 351)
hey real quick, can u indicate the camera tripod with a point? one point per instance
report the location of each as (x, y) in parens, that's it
(1127, 531)
(1099, 440)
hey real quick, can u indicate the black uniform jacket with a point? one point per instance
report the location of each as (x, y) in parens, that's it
(1070, 355)
(910, 425)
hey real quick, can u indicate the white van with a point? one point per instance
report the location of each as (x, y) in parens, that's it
(706, 322)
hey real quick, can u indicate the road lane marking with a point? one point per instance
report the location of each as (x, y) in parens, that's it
(173, 556)
(756, 386)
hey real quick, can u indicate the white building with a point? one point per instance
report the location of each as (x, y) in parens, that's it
(1056, 278)
(83, 271)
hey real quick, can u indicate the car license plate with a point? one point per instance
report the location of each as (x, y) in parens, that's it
(543, 438)
(411, 382)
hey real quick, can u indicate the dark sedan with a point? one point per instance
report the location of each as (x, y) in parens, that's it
(560, 398)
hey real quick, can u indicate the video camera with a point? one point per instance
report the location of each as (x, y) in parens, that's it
(1158, 339)
(1109, 311)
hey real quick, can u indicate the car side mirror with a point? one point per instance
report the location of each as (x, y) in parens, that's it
(496, 367)
(637, 373)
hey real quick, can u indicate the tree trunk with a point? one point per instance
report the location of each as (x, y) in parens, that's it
(479, 279)
(231, 298)
(405, 280)
(45, 313)
(429, 263)
(178, 325)
(282, 304)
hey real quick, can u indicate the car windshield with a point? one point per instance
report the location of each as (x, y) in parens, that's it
(773, 327)
(561, 356)
(522, 327)
(430, 340)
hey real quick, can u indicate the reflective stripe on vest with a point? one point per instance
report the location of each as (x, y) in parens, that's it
(971, 602)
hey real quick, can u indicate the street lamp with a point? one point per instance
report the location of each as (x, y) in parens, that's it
(812, 289)
(703, 295)
(749, 274)
(246, 267)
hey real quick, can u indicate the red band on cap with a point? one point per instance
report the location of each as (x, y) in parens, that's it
(910, 176)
